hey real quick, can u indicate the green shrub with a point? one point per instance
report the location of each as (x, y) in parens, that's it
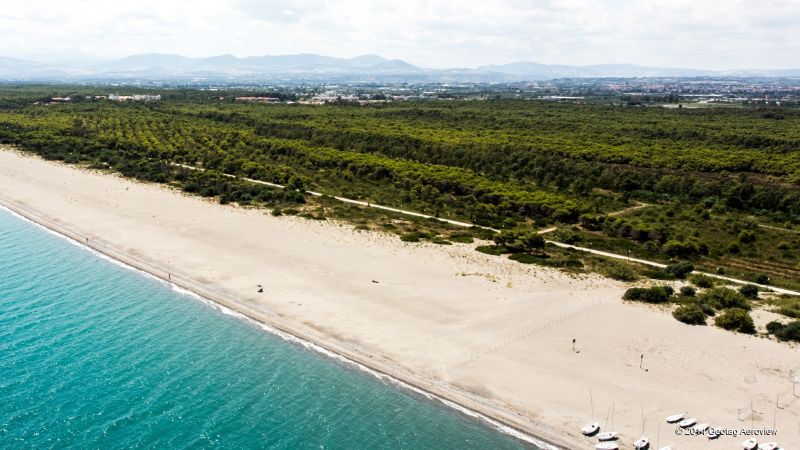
(702, 281)
(688, 291)
(691, 247)
(658, 275)
(707, 309)
(656, 294)
(690, 314)
(461, 238)
(774, 327)
(520, 241)
(634, 293)
(568, 236)
(783, 246)
(276, 212)
(736, 319)
(526, 258)
(749, 291)
(411, 237)
(762, 279)
(790, 332)
(496, 250)
(724, 298)
(679, 270)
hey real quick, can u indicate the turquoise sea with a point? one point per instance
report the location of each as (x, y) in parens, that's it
(96, 355)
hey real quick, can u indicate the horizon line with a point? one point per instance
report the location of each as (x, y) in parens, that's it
(93, 59)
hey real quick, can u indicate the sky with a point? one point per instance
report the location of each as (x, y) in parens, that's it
(702, 34)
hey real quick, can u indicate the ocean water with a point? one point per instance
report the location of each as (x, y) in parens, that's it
(96, 355)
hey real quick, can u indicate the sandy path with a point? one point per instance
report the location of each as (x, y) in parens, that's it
(487, 332)
(542, 231)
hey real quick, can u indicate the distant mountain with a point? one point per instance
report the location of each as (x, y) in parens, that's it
(312, 67)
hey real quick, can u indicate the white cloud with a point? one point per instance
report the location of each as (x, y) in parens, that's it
(712, 34)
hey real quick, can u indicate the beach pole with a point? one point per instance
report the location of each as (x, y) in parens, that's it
(642, 420)
(658, 433)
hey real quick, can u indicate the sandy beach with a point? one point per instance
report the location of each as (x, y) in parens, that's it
(488, 333)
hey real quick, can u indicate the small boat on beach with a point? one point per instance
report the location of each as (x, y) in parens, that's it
(750, 444)
(608, 436)
(700, 427)
(769, 446)
(713, 433)
(686, 423)
(606, 445)
(593, 427)
(590, 429)
(675, 418)
(642, 443)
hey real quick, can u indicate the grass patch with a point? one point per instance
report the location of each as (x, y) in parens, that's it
(786, 305)
(620, 272)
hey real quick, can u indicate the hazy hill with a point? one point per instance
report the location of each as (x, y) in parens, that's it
(312, 67)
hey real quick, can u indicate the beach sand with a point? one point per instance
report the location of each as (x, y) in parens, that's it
(488, 333)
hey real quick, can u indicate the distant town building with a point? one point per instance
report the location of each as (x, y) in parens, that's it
(135, 98)
(258, 99)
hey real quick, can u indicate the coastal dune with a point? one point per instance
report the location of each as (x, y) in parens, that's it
(485, 332)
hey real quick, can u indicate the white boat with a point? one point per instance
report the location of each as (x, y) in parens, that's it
(714, 433)
(750, 444)
(700, 427)
(769, 446)
(675, 418)
(608, 436)
(642, 443)
(590, 429)
(606, 445)
(686, 423)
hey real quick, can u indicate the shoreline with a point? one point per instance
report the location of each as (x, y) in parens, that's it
(231, 307)
(481, 333)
